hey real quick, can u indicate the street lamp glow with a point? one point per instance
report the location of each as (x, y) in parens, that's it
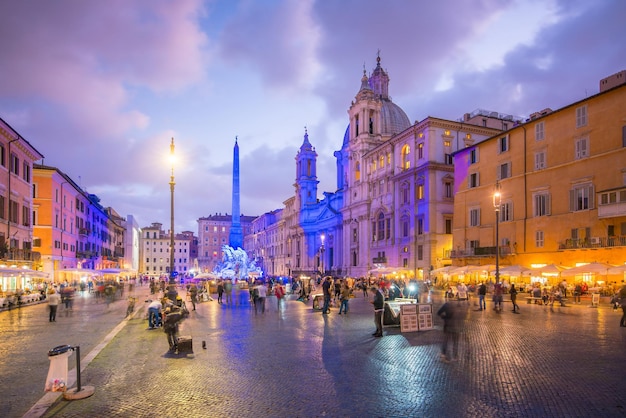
(322, 237)
(497, 203)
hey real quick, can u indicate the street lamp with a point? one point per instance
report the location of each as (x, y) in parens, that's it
(172, 293)
(323, 237)
(497, 204)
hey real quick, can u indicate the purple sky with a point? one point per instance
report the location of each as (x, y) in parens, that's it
(99, 88)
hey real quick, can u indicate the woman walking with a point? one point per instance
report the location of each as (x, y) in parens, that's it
(513, 293)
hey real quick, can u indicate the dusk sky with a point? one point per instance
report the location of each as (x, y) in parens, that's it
(100, 88)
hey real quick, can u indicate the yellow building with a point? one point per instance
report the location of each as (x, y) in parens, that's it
(562, 182)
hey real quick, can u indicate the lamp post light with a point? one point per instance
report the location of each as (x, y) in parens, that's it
(497, 203)
(172, 293)
(322, 237)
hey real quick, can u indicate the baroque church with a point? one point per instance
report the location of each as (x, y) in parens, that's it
(392, 210)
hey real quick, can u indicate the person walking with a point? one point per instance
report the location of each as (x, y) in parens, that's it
(453, 318)
(513, 293)
(327, 295)
(228, 290)
(364, 287)
(54, 298)
(482, 292)
(498, 291)
(622, 297)
(344, 296)
(261, 296)
(193, 293)
(279, 291)
(379, 309)
(220, 291)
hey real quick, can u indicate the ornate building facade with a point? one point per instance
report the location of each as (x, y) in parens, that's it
(393, 205)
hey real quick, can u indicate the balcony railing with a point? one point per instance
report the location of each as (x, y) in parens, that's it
(479, 252)
(592, 242)
(21, 255)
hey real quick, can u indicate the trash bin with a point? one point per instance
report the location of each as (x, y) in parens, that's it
(57, 375)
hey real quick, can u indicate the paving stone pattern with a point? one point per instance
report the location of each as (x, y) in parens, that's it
(296, 362)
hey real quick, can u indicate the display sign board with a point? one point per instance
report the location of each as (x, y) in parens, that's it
(408, 322)
(425, 308)
(408, 308)
(425, 321)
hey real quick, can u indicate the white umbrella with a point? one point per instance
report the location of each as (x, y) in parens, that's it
(548, 270)
(514, 270)
(591, 268)
(617, 269)
(443, 270)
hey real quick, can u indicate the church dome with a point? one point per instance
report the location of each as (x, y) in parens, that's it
(393, 118)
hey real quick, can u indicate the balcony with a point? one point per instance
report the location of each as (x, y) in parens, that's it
(592, 242)
(83, 231)
(379, 260)
(21, 255)
(480, 252)
(612, 203)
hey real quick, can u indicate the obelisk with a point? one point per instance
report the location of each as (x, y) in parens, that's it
(236, 234)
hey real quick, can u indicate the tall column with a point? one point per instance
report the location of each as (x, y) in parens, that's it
(236, 233)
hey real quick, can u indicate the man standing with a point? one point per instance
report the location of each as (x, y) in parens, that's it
(498, 291)
(170, 326)
(379, 309)
(193, 293)
(482, 292)
(53, 302)
(326, 289)
(513, 293)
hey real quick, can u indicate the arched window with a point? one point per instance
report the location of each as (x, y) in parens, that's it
(381, 227)
(406, 162)
(382, 161)
(357, 171)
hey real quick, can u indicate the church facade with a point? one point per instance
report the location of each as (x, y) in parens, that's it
(393, 206)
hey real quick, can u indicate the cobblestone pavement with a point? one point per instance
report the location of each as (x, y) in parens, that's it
(296, 362)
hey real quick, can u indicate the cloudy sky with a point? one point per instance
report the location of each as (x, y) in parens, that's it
(100, 88)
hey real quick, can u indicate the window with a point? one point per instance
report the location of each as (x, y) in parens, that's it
(581, 116)
(506, 212)
(26, 172)
(540, 160)
(474, 217)
(2, 203)
(420, 252)
(3, 156)
(539, 132)
(15, 164)
(13, 211)
(608, 198)
(420, 150)
(381, 227)
(581, 198)
(623, 136)
(25, 216)
(582, 148)
(447, 159)
(405, 228)
(357, 171)
(503, 144)
(382, 161)
(448, 226)
(504, 171)
(473, 180)
(355, 235)
(473, 156)
(419, 192)
(420, 226)
(447, 190)
(539, 239)
(541, 204)
(406, 163)
(404, 192)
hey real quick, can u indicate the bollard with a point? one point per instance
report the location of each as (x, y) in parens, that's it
(78, 392)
